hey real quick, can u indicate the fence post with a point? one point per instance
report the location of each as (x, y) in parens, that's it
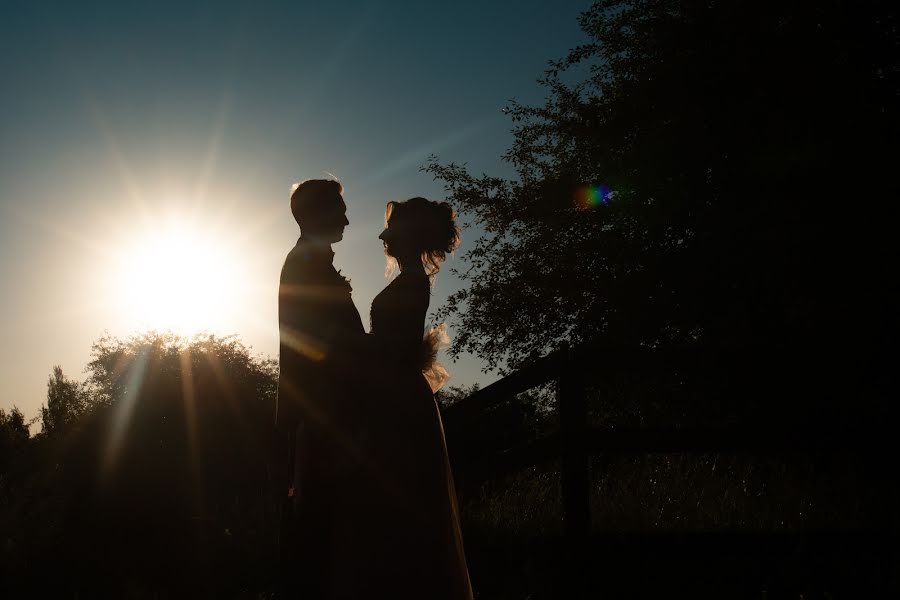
(574, 472)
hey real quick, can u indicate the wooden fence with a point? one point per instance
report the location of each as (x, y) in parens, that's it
(576, 441)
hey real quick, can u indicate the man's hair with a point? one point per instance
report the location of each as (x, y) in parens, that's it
(307, 198)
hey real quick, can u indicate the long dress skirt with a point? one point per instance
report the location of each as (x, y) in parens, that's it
(398, 533)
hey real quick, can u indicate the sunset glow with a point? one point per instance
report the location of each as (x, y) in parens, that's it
(180, 277)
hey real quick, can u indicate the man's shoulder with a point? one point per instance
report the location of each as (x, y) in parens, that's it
(306, 265)
(298, 264)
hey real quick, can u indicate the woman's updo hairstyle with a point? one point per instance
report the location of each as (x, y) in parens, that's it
(429, 228)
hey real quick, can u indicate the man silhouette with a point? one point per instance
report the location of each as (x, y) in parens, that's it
(319, 327)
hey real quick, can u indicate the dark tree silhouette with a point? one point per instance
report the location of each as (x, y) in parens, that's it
(451, 394)
(701, 172)
(13, 435)
(159, 481)
(67, 401)
(710, 176)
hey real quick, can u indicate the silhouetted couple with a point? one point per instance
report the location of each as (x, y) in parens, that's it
(371, 509)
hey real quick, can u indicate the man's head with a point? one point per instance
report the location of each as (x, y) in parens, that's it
(319, 209)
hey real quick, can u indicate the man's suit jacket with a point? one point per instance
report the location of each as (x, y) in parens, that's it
(319, 328)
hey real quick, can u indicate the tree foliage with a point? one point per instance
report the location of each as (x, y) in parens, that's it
(13, 435)
(156, 470)
(737, 165)
(67, 401)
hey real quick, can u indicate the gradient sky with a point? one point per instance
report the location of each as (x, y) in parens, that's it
(122, 122)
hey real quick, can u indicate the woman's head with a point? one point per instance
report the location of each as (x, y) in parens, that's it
(419, 229)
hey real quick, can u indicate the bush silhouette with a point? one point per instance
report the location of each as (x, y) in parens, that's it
(164, 483)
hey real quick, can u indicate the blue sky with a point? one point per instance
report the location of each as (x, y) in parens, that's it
(121, 117)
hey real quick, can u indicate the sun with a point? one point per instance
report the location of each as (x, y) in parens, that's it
(180, 277)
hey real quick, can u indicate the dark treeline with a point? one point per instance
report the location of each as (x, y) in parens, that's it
(152, 476)
(712, 177)
(156, 475)
(156, 479)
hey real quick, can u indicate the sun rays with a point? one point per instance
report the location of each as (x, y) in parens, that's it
(188, 385)
(157, 244)
(180, 277)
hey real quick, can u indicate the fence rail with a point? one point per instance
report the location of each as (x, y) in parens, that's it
(575, 442)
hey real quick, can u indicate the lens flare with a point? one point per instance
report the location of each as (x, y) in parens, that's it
(592, 196)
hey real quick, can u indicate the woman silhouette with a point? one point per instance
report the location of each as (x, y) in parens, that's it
(413, 548)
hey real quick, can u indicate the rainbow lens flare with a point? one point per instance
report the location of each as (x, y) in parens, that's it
(592, 196)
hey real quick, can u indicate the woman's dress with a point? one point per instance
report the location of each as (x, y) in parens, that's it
(412, 546)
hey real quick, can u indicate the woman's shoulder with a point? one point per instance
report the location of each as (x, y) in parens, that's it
(414, 283)
(404, 285)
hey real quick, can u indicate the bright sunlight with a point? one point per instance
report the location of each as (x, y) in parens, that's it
(180, 278)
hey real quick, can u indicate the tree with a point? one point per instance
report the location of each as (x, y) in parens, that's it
(701, 173)
(13, 435)
(67, 401)
(155, 470)
(451, 394)
(205, 404)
